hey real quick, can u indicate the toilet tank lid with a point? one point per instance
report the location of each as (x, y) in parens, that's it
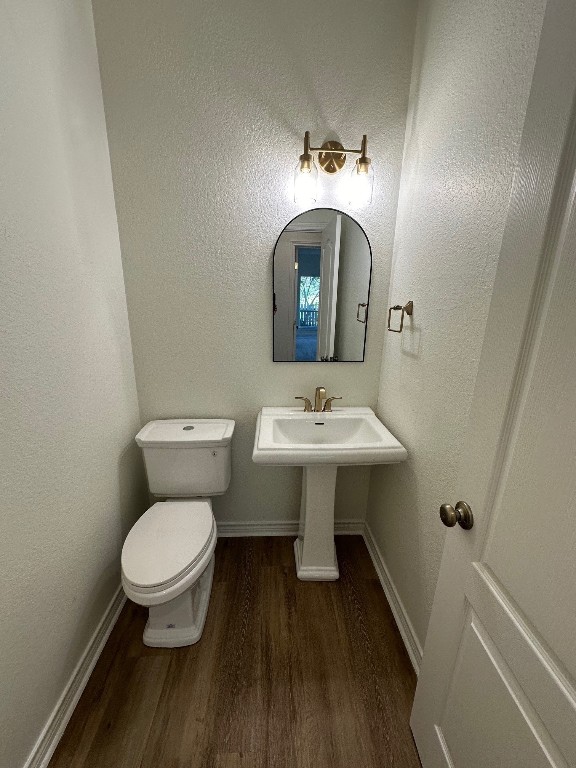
(183, 433)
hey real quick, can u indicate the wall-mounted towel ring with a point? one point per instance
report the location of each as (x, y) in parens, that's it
(365, 308)
(407, 308)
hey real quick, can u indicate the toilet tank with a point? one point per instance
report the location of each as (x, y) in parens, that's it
(187, 457)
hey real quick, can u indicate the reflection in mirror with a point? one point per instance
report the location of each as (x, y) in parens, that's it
(322, 268)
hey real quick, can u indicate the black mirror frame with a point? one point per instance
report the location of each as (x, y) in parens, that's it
(303, 362)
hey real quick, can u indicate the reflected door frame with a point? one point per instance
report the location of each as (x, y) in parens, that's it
(329, 267)
(298, 240)
(295, 287)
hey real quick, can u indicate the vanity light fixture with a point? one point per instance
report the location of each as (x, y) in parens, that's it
(332, 158)
(305, 175)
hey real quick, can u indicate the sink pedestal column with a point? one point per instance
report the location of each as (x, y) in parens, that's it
(314, 547)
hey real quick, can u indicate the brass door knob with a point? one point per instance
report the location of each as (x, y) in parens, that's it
(461, 514)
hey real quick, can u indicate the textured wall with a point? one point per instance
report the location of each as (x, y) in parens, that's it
(69, 478)
(472, 73)
(206, 106)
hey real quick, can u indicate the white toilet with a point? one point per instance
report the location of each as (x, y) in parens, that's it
(168, 556)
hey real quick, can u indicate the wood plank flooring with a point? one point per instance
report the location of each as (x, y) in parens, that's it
(288, 674)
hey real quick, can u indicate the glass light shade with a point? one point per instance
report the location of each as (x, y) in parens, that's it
(361, 184)
(305, 182)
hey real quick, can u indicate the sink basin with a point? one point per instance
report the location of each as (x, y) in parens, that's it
(320, 443)
(346, 436)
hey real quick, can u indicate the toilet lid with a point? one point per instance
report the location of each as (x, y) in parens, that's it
(167, 541)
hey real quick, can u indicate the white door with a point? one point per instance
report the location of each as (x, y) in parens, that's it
(329, 265)
(497, 688)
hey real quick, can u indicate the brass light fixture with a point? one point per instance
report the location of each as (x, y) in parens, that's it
(332, 158)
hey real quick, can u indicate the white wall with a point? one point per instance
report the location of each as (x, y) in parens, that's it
(206, 106)
(472, 72)
(70, 485)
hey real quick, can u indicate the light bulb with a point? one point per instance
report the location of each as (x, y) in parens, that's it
(305, 180)
(361, 183)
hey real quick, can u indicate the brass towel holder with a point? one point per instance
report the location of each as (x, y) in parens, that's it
(406, 309)
(363, 306)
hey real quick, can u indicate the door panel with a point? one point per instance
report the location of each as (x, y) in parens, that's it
(533, 526)
(532, 663)
(471, 725)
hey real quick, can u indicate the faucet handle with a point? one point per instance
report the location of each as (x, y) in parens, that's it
(307, 404)
(328, 404)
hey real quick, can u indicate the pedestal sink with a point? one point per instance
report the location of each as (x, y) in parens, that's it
(320, 443)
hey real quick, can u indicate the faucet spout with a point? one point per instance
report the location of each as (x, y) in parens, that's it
(319, 397)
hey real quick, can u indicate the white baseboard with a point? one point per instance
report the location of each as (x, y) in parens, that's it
(402, 621)
(62, 712)
(282, 528)
(349, 527)
(229, 529)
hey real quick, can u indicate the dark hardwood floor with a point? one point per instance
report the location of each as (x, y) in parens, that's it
(287, 674)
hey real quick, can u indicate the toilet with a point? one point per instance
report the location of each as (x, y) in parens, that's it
(168, 556)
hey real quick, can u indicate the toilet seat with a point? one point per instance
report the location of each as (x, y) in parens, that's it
(167, 550)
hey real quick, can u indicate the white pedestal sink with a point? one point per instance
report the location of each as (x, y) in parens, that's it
(320, 443)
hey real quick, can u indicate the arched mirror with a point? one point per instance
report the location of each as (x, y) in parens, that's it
(322, 269)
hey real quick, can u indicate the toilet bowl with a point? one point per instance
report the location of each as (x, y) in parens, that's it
(167, 565)
(168, 556)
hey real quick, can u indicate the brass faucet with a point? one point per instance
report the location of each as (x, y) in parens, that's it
(319, 398)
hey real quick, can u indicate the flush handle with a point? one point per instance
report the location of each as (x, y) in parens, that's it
(461, 514)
